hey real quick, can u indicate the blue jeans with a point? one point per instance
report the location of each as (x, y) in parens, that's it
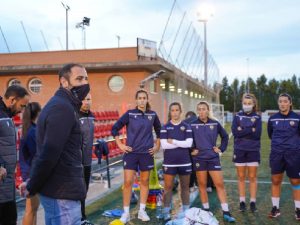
(61, 211)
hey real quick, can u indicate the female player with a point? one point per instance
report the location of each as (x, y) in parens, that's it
(176, 140)
(139, 150)
(284, 132)
(27, 154)
(206, 156)
(246, 129)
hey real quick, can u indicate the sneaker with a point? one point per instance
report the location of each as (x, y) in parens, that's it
(143, 216)
(86, 222)
(228, 217)
(275, 212)
(167, 217)
(125, 218)
(242, 206)
(209, 189)
(253, 207)
(297, 214)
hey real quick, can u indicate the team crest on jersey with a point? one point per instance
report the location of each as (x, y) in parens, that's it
(292, 123)
(149, 117)
(135, 116)
(211, 127)
(124, 163)
(165, 168)
(234, 156)
(182, 128)
(253, 119)
(276, 122)
(196, 127)
(197, 165)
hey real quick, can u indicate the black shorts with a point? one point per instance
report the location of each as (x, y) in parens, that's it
(136, 161)
(286, 161)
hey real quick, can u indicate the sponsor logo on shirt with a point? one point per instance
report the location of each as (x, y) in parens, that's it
(170, 128)
(217, 167)
(151, 166)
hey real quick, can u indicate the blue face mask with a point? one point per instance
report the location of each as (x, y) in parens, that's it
(80, 92)
(247, 108)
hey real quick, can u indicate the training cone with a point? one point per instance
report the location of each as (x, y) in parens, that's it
(153, 179)
(116, 222)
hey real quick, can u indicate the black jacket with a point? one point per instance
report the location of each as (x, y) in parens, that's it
(87, 129)
(8, 153)
(57, 171)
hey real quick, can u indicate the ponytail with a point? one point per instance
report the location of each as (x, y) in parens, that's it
(172, 104)
(148, 107)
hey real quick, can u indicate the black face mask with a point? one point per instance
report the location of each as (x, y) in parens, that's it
(80, 92)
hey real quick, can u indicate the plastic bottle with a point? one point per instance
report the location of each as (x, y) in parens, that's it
(159, 207)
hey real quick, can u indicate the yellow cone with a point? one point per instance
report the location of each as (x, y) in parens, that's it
(153, 179)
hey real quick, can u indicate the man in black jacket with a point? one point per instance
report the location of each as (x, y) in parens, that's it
(14, 101)
(87, 128)
(57, 173)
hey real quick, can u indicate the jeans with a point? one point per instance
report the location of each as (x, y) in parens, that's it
(61, 211)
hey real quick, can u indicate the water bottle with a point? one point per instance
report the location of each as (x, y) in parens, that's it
(159, 207)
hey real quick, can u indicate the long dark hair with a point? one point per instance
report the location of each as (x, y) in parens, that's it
(148, 107)
(170, 106)
(30, 113)
(289, 98)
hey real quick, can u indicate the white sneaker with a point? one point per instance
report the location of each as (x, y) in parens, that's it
(125, 218)
(143, 216)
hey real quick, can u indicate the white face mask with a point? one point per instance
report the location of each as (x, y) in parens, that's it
(247, 108)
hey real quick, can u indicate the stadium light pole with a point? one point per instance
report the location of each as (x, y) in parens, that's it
(67, 8)
(85, 22)
(205, 12)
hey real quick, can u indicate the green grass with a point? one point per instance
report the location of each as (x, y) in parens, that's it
(114, 200)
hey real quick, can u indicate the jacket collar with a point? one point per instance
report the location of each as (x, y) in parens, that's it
(64, 93)
(4, 108)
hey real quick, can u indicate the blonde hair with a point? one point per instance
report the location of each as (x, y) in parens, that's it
(251, 96)
(210, 113)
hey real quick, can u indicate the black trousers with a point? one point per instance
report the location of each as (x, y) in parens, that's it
(87, 175)
(193, 179)
(8, 213)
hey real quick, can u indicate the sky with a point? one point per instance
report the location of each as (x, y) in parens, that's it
(245, 37)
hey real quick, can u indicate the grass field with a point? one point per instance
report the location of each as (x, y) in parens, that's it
(114, 200)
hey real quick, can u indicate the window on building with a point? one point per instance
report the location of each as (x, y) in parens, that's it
(116, 83)
(14, 82)
(35, 85)
(152, 86)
